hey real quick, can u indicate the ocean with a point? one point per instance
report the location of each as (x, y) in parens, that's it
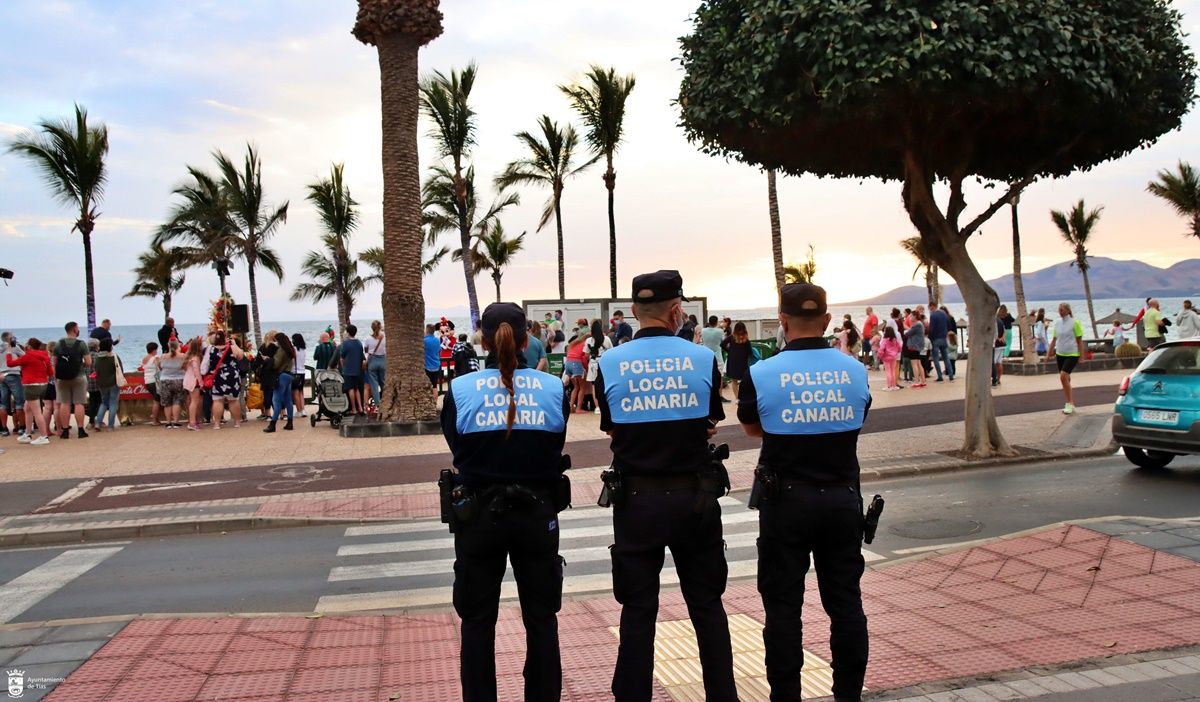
(135, 337)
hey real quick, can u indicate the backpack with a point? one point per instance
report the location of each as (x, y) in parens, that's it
(465, 360)
(755, 356)
(559, 335)
(68, 360)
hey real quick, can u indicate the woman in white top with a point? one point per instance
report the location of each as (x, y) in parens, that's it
(595, 347)
(375, 346)
(298, 372)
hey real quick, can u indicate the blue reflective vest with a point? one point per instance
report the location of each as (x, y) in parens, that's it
(818, 391)
(657, 379)
(482, 402)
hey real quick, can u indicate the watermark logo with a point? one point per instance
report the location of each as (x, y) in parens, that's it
(16, 683)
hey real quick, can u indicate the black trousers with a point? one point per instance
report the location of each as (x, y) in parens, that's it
(644, 526)
(826, 523)
(481, 547)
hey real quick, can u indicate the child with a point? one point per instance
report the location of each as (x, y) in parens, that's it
(889, 356)
(952, 352)
(1117, 332)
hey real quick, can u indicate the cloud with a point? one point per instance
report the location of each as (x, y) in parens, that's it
(10, 231)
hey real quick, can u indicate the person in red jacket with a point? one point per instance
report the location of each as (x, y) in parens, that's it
(36, 371)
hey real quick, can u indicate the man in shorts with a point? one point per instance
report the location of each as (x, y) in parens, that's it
(71, 364)
(1065, 347)
(350, 360)
(433, 359)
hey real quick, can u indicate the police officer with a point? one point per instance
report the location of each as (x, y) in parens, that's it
(659, 398)
(506, 426)
(808, 403)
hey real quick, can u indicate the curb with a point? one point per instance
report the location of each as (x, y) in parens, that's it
(41, 537)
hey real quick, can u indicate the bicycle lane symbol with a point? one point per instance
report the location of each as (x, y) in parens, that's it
(294, 477)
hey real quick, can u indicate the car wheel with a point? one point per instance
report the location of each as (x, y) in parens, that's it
(1147, 459)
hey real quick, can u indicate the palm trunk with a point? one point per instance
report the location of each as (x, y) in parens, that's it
(562, 265)
(1028, 352)
(982, 437)
(935, 284)
(405, 395)
(166, 306)
(930, 282)
(1087, 290)
(221, 278)
(610, 182)
(340, 268)
(250, 265)
(464, 235)
(85, 230)
(496, 279)
(776, 229)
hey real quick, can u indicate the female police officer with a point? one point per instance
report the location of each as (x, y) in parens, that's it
(506, 426)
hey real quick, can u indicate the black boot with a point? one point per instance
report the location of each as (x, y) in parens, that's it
(288, 426)
(270, 428)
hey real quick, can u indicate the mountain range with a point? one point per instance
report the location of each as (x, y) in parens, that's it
(1110, 279)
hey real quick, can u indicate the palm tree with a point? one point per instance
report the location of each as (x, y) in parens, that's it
(1076, 228)
(254, 222)
(70, 157)
(1182, 191)
(442, 211)
(801, 272)
(1028, 352)
(916, 247)
(445, 100)
(330, 278)
(776, 230)
(398, 31)
(601, 105)
(158, 275)
(493, 252)
(201, 227)
(339, 216)
(549, 164)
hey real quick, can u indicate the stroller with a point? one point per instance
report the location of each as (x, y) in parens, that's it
(332, 402)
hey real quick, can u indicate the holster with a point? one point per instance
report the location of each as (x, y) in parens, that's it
(502, 499)
(445, 488)
(613, 492)
(871, 519)
(562, 493)
(766, 484)
(713, 484)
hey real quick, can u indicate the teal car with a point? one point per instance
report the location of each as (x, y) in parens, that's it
(1157, 416)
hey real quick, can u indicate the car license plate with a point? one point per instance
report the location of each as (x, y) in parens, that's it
(1158, 416)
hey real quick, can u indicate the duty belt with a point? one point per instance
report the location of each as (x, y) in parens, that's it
(660, 483)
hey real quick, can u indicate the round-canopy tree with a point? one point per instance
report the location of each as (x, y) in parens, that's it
(922, 91)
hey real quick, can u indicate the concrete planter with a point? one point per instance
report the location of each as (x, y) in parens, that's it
(370, 429)
(1099, 362)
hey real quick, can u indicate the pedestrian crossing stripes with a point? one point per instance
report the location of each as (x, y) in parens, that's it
(411, 564)
(33, 586)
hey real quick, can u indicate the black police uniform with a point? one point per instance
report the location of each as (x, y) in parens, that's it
(658, 395)
(512, 478)
(810, 401)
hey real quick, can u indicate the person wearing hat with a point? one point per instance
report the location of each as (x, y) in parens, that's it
(808, 403)
(506, 426)
(659, 399)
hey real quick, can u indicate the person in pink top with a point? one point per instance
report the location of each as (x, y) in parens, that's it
(36, 371)
(889, 356)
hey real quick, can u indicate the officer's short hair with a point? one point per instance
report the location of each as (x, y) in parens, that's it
(655, 309)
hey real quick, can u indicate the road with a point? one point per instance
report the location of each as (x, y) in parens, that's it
(339, 569)
(258, 481)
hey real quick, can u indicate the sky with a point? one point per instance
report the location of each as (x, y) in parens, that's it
(176, 81)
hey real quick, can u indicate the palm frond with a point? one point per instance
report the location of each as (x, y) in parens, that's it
(445, 100)
(599, 100)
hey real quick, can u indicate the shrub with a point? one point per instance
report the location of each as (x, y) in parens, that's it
(1128, 350)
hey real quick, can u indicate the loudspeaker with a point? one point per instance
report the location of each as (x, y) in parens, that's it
(239, 319)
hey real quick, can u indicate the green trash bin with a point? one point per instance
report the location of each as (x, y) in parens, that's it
(555, 363)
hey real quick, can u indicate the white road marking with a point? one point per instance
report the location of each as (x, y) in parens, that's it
(72, 494)
(120, 490)
(26, 590)
(59, 547)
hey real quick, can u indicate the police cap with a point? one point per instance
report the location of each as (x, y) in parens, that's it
(658, 287)
(802, 300)
(498, 313)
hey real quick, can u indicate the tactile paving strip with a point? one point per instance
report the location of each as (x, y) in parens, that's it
(677, 662)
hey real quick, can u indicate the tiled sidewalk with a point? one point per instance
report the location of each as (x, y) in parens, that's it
(1064, 594)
